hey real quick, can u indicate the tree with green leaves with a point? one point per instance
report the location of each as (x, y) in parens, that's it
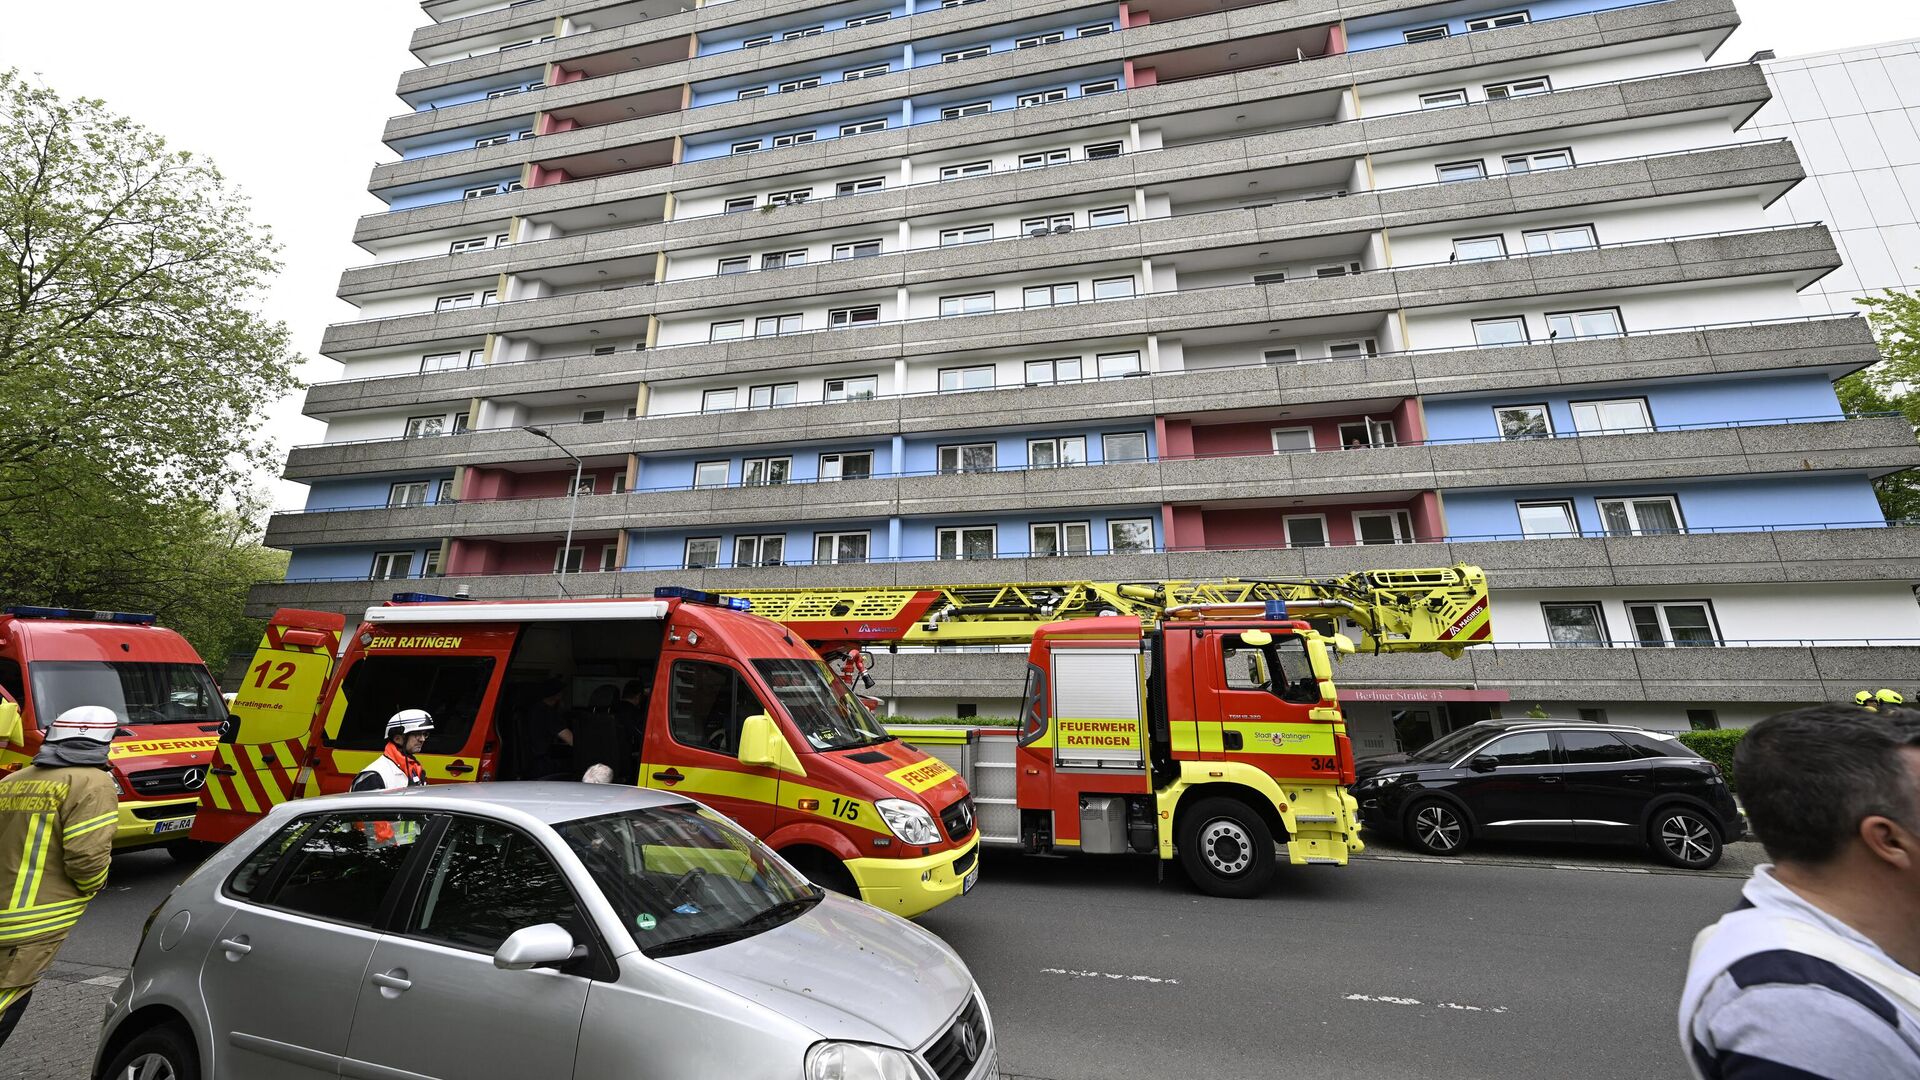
(1892, 385)
(134, 369)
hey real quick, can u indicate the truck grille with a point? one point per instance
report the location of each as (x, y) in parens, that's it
(958, 819)
(965, 863)
(159, 813)
(180, 780)
(954, 1054)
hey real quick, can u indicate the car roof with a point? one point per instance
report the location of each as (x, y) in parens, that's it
(1504, 726)
(551, 802)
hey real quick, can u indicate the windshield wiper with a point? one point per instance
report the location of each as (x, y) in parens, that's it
(792, 906)
(764, 920)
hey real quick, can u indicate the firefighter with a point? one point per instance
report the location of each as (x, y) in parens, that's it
(397, 767)
(1874, 699)
(57, 819)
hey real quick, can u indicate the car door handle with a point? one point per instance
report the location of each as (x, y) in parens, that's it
(1549, 779)
(670, 776)
(459, 768)
(1633, 779)
(235, 947)
(221, 770)
(390, 981)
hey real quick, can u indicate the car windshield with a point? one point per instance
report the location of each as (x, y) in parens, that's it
(138, 693)
(828, 713)
(1450, 746)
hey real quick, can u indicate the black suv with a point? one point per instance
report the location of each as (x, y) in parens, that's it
(1552, 780)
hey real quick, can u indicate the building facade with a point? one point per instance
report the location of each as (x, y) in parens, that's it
(900, 291)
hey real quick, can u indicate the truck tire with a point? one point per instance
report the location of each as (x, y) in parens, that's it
(1226, 848)
(825, 871)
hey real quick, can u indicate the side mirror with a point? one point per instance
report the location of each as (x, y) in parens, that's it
(11, 730)
(1343, 645)
(1483, 763)
(763, 745)
(532, 946)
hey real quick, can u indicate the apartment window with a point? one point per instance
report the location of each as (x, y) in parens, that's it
(430, 566)
(863, 127)
(703, 552)
(958, 55)
(491, 296)
(1044, 372)
(460, 422)
(1565, 238)
(1123, 446)
(388, 565)
(511, 186)
(1048, 295)
(1281, 356)
(1045, 158)
(1094, 30)
(737, 264)
(1305, 530)
(965, 542)
(422, 426)
(1542, 519)
(1349, 350)
(865, 184)
(492, 140)
(855, 388)
(1067, 450)
(1117, 365)
(1523, 421)
(1518, 88)
(1604, 322)
(710, 474)
(720, 400)
(745, 146)
(759, 550)
(441, 362)
(1051, 538)
(1104, 86)
(772, 325)
(811, 31)
(453, 303)
(1363, 434)
(750, 93)
(970, 304)
(1456, 171)
(726, 331)
(1292, 440)
(593, 416)
(773, 395)
(869, 20)
(1616, 417)
(408, 494)
(1111, 215)
(968, 458)
(1575, 626)
(1441, 99)
(853, 74)
(960, 172)
(1101, 151)
(1470, 248)
(841, 318)
(480, 192)
(1112, 288)
(1505, 330)
(494, 95)
(735, 206)
(568, 560)
(966, 378)
(794, 138)
(1383, 527)
(1655, 516)
(1130, 536)
(1538, 161)
(956, 3)
(1674, 623)
(970, 234)
(475, 357)
(1336, 270)
(975, 108)
(1041, 97)
(846, 547)
(443, 493)
(478, 243)
(777, 260)
(1276, 277)
(756, 42)
(1495, 22)
(501, 240)
(1424, 33)
(1703, 719)
(792, 85)
(763, 472)
(857, 465)
(1040, 226)
(789, 198)
(858, 249)
(1040, 39)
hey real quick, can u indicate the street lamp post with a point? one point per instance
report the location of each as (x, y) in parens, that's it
(573, 496)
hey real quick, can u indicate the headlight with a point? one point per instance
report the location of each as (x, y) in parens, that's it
(861, 1061)
(1382, 780)
(909, 821)
(118, 785)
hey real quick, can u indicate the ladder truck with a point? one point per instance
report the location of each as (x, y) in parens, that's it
(1185, 719)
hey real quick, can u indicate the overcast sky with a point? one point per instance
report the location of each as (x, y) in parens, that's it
(290, 98)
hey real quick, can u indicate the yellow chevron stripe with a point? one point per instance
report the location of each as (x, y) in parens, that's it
(239, 780)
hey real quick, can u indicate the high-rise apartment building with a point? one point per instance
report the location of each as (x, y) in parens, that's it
(975, 290)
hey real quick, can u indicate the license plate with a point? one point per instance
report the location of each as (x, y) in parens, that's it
(972, 879)
(179, 824)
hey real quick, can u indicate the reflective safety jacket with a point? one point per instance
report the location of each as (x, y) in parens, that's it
(56, 839)
(394, 768)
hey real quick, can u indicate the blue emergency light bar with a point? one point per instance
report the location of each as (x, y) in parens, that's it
(1276, 610)
(128, 618)
(423, 598)
(697, 596)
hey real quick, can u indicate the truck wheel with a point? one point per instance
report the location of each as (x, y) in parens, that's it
(1226, 848)
(825, 871)
(191, 852)
(1683, 837)
(159, 1053)
(1436, 827)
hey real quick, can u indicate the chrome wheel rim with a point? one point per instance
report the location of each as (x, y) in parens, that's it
(1687, 838)
(150, 1067)
(1437, 828)
(1226, 846)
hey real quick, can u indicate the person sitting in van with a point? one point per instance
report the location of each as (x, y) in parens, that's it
(541, 745)
(597, 738)
(630, 713)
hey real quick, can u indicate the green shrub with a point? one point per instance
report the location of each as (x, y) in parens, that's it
(1715, 746)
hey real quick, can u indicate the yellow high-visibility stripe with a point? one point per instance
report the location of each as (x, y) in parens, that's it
(65, 922)
(267, 783)
(240, 785)
(82, 828)
(32, 857)
(8, 918)
(92, 884)
(11, 995)
(45, 826)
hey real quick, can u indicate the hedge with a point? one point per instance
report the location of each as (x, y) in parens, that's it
(1716, 746)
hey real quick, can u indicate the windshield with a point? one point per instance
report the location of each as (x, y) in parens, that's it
(683, 878)
(1450, 746)
(138, 693)
(827, 713)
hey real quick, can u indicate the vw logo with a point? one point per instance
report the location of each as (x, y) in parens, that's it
(971, 1036)
(192, 778)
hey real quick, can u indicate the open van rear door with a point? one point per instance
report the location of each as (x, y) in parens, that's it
(261, 748)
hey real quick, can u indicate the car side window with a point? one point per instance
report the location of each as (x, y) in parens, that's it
(1652, 746)
(1594, 748)
(486, 881)
(342, 869)
(709, 703)
(1530, 748)
(256, 868)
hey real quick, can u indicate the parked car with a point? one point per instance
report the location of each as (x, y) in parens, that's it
(1555, 780)
(527, 929)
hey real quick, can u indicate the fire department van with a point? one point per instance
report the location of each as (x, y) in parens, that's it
(687, 692)
(52, 659)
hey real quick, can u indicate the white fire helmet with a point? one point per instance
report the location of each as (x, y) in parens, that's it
(96, 722)
(409, 722)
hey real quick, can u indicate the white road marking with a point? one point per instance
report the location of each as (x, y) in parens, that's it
(1109, 975)
(1604, 869)
(1384, 999)
(1416, 858)
(102, 980)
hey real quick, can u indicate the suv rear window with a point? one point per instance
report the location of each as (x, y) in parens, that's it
(1652, 746)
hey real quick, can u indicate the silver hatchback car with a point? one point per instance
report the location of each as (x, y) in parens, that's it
(530, 931)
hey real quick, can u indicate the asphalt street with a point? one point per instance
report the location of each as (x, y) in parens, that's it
(1510, 963)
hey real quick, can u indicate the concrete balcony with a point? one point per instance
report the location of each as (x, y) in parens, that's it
(1876, 445)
